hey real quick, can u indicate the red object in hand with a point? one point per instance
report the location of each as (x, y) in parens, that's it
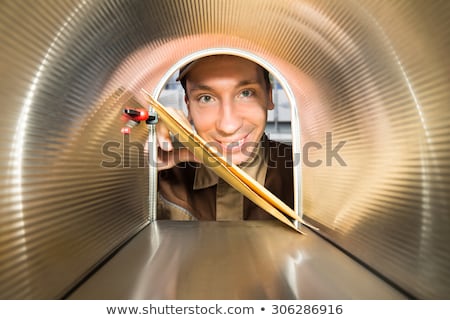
(136, 114)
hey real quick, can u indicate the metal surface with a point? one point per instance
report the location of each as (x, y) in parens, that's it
(152, 170)
(231, 260)
(374, 74)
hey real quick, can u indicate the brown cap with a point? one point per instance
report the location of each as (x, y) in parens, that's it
(185, 69)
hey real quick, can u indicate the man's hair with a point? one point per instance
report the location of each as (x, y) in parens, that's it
(184, 71)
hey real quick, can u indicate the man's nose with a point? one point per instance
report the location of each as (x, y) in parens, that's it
(229, 120)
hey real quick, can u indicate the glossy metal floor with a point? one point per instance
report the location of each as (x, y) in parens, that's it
(231, 260)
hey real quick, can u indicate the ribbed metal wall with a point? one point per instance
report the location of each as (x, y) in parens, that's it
(373, 74)
(387, 97)
(62, 211)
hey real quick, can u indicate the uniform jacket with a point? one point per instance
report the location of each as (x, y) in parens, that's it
(190, 191)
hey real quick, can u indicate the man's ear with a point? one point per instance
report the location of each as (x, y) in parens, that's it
(186, 100)
(270, 105)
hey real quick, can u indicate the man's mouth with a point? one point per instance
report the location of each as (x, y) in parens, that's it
(232, 145)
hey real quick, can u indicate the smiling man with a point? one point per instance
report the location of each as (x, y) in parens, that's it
(227, 98)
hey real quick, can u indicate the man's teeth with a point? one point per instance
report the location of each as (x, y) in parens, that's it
(234, 144)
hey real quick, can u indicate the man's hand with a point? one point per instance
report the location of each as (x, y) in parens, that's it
(168, 156)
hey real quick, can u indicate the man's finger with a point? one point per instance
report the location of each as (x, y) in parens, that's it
(169, 159)
(163, 137)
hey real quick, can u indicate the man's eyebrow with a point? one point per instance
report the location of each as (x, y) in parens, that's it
(200, 87)
(247, 82)
(208, 88)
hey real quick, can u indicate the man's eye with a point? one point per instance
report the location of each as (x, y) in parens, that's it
(246, 93)
(205, 99)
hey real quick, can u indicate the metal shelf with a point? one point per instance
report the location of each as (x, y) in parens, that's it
(231, 260)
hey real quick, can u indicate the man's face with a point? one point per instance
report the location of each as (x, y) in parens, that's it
(228, 99)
